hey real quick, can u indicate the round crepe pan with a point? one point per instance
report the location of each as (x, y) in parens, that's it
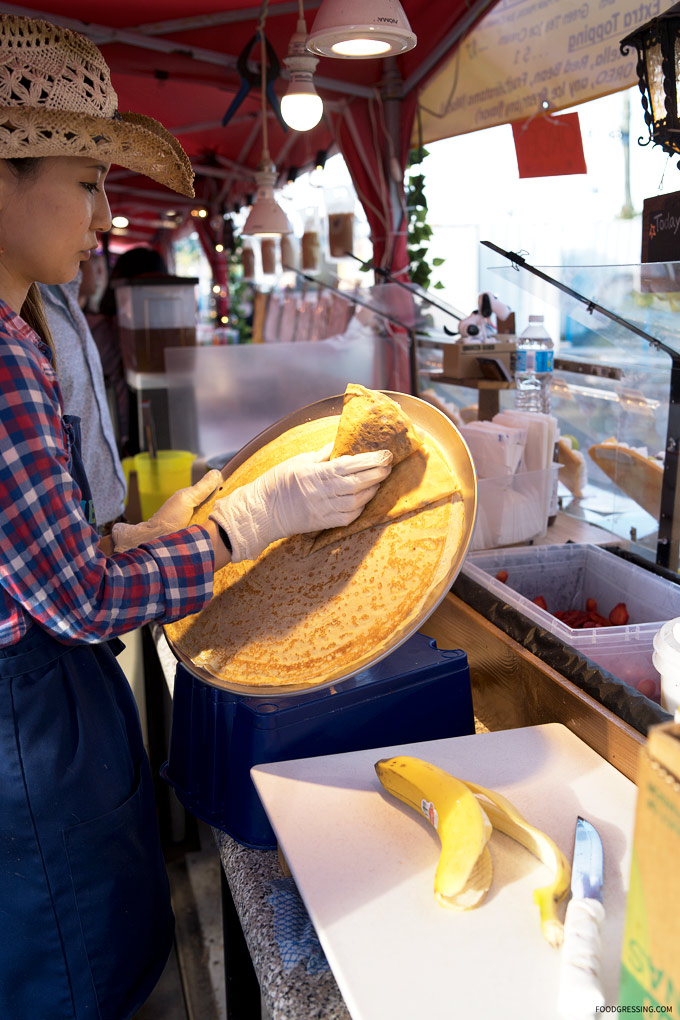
(454, 448)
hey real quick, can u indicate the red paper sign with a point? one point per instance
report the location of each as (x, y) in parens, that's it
(548, 146)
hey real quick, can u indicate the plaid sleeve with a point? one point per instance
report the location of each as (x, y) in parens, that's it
(50, 563)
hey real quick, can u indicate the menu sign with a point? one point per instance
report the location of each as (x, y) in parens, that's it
(661, 228)
(527, 53)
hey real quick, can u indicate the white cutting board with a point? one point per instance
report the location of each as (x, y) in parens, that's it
(364, 865)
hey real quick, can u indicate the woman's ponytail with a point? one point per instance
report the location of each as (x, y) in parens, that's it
(33, 314)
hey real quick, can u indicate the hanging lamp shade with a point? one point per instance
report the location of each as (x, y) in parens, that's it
(266, 218)
(360, 29)
(658, 68)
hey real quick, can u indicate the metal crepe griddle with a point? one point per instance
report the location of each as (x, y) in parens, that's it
(454, 448)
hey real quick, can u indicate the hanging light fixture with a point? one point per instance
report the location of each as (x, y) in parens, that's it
(301, 107)
(658, 49)
(266, 218)
(359, 29)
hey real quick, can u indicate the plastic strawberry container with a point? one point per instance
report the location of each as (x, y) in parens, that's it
(567, 575)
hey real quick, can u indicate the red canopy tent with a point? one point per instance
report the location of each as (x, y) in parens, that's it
(182, 70)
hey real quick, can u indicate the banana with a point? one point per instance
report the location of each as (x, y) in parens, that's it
(463, 814)
(464, 871)
(506, 818)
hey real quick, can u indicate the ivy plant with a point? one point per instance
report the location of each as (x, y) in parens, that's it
(240, 294)
(418, 230)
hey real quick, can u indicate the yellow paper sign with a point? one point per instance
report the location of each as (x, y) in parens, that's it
(527, 53)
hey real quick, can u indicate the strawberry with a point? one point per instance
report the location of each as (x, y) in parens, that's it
(619, 615)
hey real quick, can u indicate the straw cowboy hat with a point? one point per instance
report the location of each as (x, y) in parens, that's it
(56, 99)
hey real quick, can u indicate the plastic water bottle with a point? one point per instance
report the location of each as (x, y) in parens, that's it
(534, 367)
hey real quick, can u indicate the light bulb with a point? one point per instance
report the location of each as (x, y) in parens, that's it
(301, 110)
(361, 47)
(301, 107)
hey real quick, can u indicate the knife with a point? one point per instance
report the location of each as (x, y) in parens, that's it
(580, 988)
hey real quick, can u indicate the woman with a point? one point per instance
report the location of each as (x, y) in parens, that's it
(86, 918)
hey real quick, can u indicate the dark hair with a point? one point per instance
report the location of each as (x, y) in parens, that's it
(32, 311)
(140, 261)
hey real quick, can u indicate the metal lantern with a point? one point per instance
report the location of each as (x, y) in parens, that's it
(658, 67)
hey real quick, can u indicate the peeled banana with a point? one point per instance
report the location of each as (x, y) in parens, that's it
(463, 814)
(506, 818)
(464, 871)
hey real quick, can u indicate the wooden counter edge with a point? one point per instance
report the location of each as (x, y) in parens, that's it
(512, 687)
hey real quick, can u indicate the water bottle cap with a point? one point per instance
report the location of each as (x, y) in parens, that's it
(535, 318)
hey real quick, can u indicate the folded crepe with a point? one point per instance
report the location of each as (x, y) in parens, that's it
(373, 421)
(419, 476)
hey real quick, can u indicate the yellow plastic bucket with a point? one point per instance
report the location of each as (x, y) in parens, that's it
(158, 477)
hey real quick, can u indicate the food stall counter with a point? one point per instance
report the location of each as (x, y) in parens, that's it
(511, 688)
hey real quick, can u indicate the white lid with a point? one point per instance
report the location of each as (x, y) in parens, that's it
(666, 641)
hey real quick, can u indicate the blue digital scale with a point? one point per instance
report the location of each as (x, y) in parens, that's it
(416, 693)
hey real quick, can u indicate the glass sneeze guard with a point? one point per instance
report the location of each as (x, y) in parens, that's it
(633, 311)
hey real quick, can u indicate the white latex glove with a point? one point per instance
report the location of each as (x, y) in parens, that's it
(175, 514)
(306, 493)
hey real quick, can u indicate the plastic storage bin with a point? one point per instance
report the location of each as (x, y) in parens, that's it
(155, 312)
(512, 508)
(567, 575)
(417, 693)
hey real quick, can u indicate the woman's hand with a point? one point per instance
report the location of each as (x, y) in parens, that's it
(175, 514)
(305, 493)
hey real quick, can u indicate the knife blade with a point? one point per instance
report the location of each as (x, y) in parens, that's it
(580, 988)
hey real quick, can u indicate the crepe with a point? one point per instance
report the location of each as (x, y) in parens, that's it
(289, 621)
(421, 476)
(639, 476)
(370, 420)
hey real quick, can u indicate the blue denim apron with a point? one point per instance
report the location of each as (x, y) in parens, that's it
(85, 919)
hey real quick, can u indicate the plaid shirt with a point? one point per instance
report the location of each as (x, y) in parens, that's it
(51, 570)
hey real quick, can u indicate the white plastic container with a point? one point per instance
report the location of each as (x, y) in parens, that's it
(666, 658)
(512, 508)
(567, 575)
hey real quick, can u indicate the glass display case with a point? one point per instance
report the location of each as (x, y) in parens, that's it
(616, 387)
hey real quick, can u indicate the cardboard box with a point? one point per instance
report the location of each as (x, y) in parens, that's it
(472, 359)
(650, 959)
